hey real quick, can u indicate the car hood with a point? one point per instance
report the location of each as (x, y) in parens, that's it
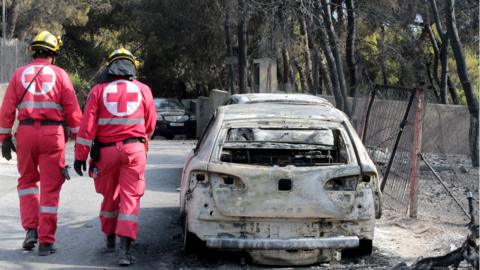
(171, 112)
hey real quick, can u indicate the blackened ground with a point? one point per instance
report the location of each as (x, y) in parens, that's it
(159, 246)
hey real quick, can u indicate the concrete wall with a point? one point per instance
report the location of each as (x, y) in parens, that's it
(206, 106)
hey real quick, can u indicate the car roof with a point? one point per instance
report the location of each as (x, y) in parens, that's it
(279, 98)
(280, 110)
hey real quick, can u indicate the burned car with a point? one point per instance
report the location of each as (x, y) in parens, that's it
(289, 184)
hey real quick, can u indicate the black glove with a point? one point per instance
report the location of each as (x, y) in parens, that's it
(78, 165)
(7, 147)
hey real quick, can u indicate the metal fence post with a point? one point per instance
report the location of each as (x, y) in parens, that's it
(367, 115)
(416, 151)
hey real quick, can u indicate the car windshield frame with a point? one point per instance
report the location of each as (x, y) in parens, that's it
(173, 105)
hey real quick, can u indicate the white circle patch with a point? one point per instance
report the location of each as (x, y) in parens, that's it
(46, 79)
(122, 97)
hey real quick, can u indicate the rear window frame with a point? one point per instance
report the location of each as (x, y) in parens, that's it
(223, 132)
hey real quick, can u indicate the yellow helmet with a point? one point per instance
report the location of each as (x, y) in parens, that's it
(122, 53)
(46, 40)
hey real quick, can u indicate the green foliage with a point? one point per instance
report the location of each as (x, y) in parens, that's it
(81, 86)
(473, 64)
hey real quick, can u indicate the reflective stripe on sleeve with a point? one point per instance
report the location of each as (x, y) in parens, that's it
(40, 105)
(127, 217)
(27, 191)
(107, 214)
(75, 129)
(120, 121)
(83, 141)
(48, 209)
(5, 130)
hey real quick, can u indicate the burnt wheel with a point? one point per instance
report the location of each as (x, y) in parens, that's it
(364, 249)
(191, 242)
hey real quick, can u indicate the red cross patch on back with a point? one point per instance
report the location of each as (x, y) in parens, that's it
(44, 81)
(122, 97)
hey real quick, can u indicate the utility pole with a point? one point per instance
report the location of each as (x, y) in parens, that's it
(4, 21)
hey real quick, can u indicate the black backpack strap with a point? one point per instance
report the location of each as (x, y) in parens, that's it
(30, 84)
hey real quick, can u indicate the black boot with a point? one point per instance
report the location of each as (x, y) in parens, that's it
(124, 256)
(46, 249)
(30, 239)
(111, 242)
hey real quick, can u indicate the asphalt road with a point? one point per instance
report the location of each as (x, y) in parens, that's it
(79, 239)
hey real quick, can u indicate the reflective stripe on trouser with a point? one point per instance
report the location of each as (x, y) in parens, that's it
(121, 182)
(40, 148)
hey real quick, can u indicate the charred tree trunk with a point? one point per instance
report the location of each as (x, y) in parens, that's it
(302, 75)
(337, 6)
(465, 80)
(325, 79)
(13, 12)
(307, 55)
(288, 76)
(443, 53)
(350, 50)
(431, 80)
(315, 75)
(228, 41)
(444, 71)
(453, 91)
(333, 43)
(336, 90)
(382, 59)
(242, 46)
(436, 52)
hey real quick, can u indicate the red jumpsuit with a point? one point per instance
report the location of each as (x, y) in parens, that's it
(116, 113)
(40, 139)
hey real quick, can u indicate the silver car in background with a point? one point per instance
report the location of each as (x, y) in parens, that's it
(289, 184)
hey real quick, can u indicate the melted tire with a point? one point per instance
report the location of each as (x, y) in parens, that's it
(364, 249)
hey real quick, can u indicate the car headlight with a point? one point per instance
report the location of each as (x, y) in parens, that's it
(183, 118)
(192, 117)
(159, 117)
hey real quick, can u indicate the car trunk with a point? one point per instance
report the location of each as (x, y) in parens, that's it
(281, 192)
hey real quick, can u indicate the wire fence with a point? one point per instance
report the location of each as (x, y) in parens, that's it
(396, 125)
(13, 54)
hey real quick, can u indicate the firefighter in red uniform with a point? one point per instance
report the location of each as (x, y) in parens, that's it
(119, 117)
(43, 95)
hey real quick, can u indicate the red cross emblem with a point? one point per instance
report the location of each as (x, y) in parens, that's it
(122, 97)
(44, 81)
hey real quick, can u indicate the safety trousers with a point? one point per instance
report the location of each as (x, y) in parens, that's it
(120, 178)
(40, 158)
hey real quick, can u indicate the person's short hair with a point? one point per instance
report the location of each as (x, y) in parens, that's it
(41, 53)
